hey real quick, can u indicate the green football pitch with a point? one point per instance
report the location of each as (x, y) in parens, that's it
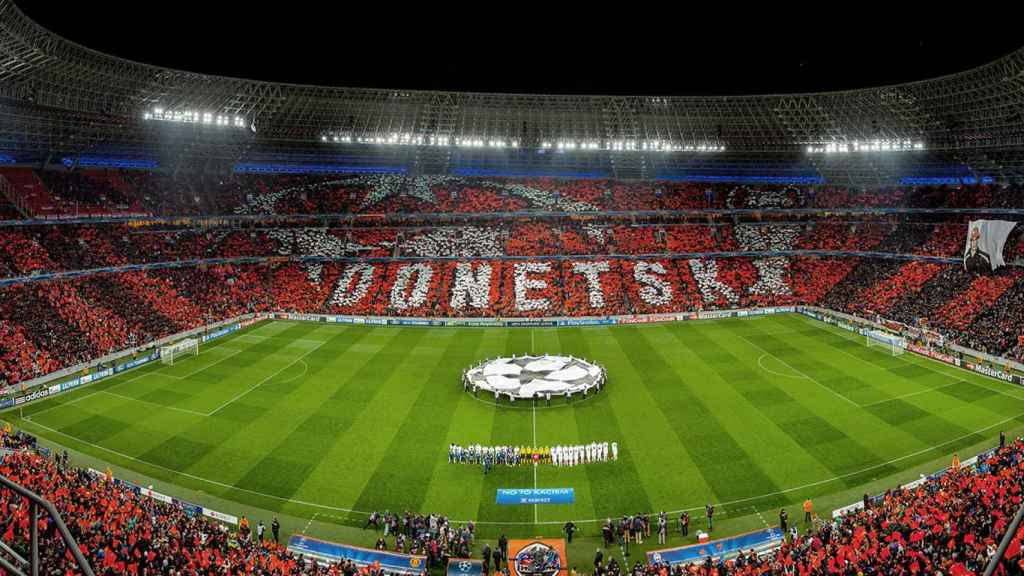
(337, 421)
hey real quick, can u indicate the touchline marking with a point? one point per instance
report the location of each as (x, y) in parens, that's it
(552, 522)
(752, 343)
(769, 370)
(310, 523)
(264, 380)
(758, 512)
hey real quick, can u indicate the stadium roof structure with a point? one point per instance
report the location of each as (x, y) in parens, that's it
(58, 96)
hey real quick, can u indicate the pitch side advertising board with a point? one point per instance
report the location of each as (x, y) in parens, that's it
(992, 372)
(481, 323)
(528, 323)
(587, 322)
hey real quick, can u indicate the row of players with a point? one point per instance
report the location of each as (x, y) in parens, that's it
(489, 456)
(584, 453)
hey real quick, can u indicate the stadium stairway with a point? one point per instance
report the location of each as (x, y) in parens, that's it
(28, 193)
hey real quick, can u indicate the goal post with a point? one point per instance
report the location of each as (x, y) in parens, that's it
(171, 352)
(897, 345)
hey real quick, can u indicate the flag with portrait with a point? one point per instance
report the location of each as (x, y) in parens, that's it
(983, 252)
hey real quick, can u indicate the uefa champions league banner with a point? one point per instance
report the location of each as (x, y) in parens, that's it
(390, 562)
(465, 567)
(983, 251)
(725, 546)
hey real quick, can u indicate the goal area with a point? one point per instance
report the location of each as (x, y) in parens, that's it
(897, 345)
(188, 347)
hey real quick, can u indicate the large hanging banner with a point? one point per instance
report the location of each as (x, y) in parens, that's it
(983, 252)
(539, 557)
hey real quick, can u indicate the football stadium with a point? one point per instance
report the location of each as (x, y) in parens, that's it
(257, 327)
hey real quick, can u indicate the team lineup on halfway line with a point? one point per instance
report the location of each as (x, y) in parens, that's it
(490, 456)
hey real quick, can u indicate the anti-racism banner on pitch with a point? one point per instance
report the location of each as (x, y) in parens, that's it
(983, 251)
(515, 496)
(540, 557)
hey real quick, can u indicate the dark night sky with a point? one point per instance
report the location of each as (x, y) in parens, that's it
(515, 48)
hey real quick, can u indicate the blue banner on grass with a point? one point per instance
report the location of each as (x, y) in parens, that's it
(715, 548)
(515, 496)
(391, 562)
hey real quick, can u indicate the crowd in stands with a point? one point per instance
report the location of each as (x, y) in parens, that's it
(951, 525)
(76, 320)
(121, 532)
(63, 192)
(37, 249)
(509, 266)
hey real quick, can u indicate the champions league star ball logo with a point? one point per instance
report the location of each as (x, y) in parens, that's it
(537, 559)
(535, 376)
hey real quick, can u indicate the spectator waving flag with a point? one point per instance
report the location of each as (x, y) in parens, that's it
(984, 249)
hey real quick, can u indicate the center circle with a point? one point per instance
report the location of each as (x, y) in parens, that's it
(526, 377)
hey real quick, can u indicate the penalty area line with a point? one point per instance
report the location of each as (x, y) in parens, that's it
(788, 365)
(265, 380)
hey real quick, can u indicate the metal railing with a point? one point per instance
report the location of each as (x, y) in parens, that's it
(16, 564)
(993, 563)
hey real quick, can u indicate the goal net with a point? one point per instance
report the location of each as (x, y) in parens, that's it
(896, 344)
(187, 347)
